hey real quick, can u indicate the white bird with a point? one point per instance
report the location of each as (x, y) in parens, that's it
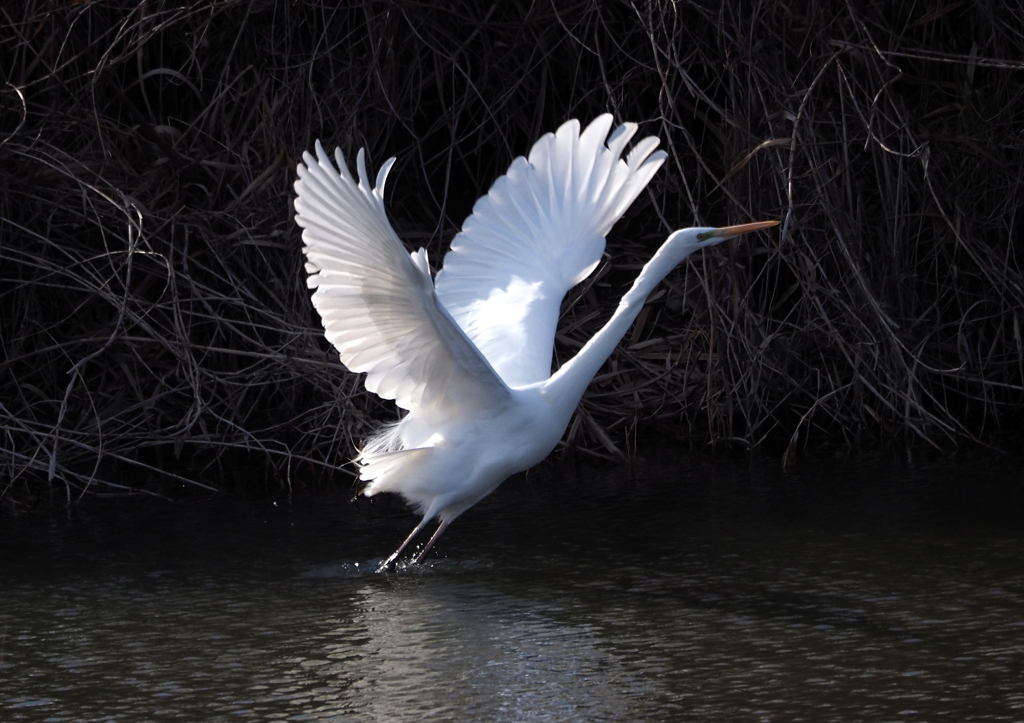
(469, 354)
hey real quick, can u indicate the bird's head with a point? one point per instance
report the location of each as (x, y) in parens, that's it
(683, 243)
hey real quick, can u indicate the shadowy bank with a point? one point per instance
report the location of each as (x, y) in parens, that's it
(156, 329)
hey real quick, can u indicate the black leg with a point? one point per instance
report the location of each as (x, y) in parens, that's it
(394, 556)
(440, 528)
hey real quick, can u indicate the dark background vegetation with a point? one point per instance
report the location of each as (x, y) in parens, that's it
(155, 326)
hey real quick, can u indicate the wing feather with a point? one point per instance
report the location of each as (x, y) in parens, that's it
(538, 232)
(377, 301)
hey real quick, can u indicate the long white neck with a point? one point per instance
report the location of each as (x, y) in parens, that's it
(566, 386)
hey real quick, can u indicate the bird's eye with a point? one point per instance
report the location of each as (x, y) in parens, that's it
(701, 236)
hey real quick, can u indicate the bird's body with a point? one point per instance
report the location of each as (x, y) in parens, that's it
(469, 353)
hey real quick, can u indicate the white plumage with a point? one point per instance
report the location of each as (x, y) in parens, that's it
(469, 354)
(538, 232)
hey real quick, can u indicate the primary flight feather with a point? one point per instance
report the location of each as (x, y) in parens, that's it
(469, 354)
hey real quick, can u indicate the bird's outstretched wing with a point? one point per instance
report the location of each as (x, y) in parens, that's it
(538, 232)
(377, 301)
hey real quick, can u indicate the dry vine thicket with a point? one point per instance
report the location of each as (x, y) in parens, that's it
(156, 330)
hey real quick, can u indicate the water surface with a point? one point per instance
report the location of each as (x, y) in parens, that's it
(684, 589)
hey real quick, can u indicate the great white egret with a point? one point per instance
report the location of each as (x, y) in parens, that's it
(469, 354)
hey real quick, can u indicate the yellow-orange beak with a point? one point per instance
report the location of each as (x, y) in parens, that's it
(730, 231)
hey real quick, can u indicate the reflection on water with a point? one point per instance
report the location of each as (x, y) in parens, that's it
(687, 590)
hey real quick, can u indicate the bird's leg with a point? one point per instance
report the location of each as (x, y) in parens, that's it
(433, 538)
(394, 556)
